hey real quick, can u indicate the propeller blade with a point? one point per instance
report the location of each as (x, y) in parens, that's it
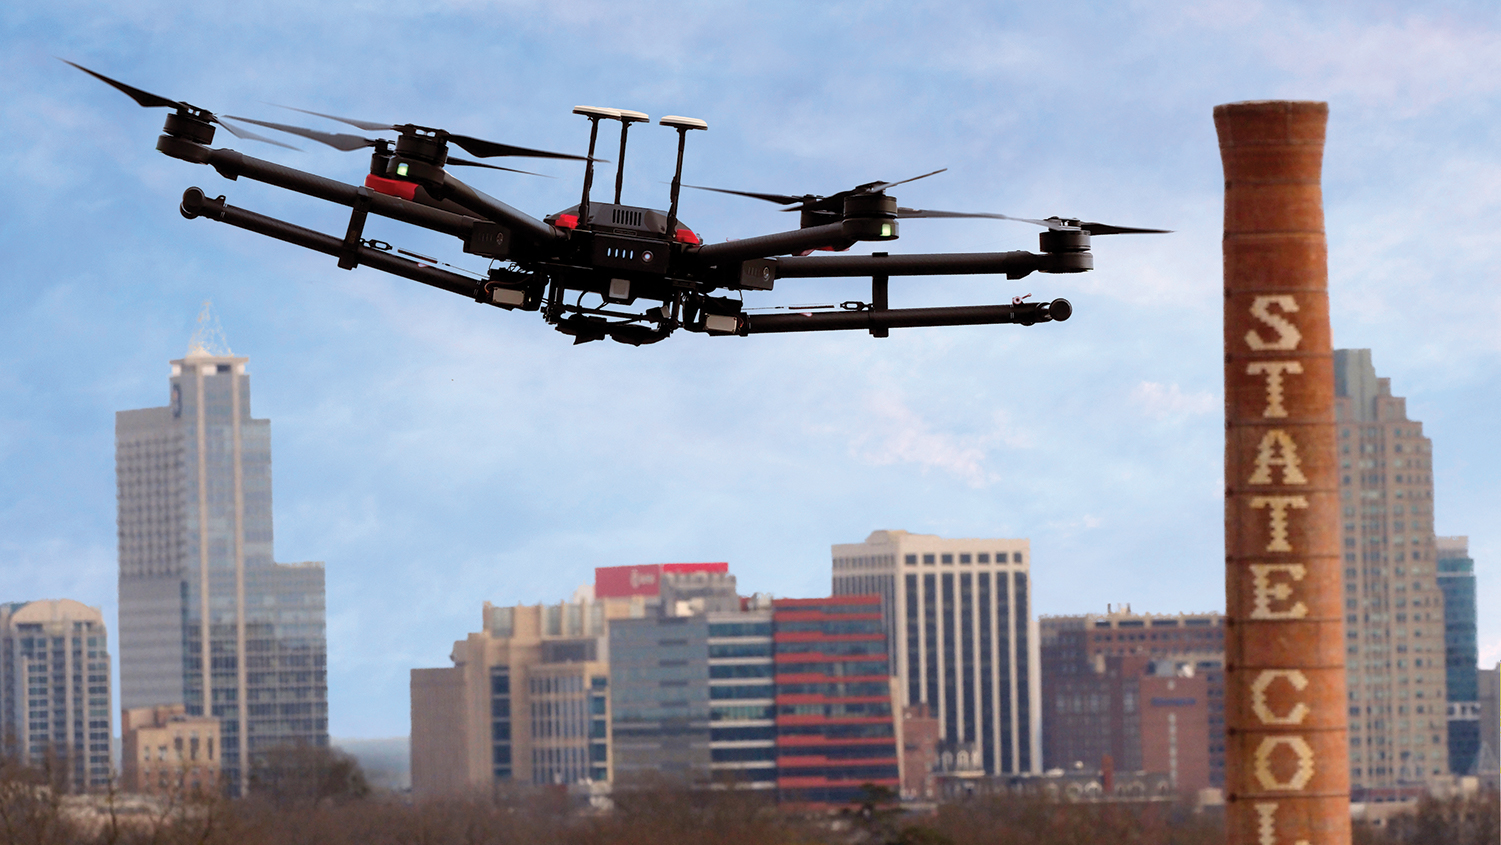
(1107, 229)
(362, 124)
(923, 212)
(877, 187)
(490, 149)
(337, 140)
(779, 199)
(241, 132)
(464, 162)
(144, 98)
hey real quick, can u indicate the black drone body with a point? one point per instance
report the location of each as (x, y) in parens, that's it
(652, 274)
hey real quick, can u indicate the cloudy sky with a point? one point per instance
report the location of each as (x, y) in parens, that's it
(437, 454)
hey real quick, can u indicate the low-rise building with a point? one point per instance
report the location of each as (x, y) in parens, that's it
(1136, 692)
(166, 751)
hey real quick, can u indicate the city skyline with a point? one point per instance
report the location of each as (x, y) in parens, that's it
(436, 453)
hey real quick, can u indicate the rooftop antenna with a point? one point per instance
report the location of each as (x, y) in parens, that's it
(682, 125)
(208, 339)
(594, 113)
(627, 117)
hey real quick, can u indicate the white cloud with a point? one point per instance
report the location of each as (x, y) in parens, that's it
(1168, 401)
(899, 435)
(1490, 653)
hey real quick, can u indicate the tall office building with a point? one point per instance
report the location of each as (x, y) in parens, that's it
(1456, 580)
(207, 618)
(1394, 612)
(961, 637)
(54, 689)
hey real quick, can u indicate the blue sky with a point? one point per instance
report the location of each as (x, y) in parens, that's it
(437, 454)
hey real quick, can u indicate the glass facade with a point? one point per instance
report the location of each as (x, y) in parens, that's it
(207, 618)
(1456, 580)
(659, 699)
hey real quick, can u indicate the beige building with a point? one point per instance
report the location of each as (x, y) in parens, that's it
(166, 750)
(960, 634)
(55, 689)
(526, 701)
(1394, 611)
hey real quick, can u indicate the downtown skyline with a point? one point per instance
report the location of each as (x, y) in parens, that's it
(436, 454)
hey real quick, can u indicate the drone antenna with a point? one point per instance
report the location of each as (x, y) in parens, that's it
(594, 113)
(682, 125)
(627, 117)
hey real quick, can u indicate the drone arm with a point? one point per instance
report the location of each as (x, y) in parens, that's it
(233, 165)
(1026, 313)
(493, 209)
(781, 243)
(1014, 264)
(195, 204)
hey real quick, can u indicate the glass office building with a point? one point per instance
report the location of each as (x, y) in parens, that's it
(1456, 580)
(207, 618)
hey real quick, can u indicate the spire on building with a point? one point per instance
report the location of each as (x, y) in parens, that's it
(208, 338)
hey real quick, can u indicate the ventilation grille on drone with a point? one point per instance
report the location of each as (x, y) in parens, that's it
(625, 217)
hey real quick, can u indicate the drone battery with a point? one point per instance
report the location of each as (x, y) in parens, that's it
(622, 253)
(491, 240)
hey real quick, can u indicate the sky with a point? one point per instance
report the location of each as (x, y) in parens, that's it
(436, 454)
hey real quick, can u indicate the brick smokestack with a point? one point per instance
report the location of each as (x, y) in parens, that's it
(1287, 775)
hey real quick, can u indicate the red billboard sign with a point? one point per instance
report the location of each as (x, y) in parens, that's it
(643, 579)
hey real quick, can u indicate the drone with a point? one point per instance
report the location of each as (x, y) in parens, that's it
(651, 273)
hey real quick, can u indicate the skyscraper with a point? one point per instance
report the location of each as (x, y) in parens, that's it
(1394, 613)
(1456, 579)
(207, 618)
(960, 635)
(54, 676)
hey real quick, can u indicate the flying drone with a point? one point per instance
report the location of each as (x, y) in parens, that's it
(652, 274)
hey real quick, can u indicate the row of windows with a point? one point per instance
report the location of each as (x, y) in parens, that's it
(964, 558)
(846, 668)
(832, 626)
(834, 690)
(739, 629)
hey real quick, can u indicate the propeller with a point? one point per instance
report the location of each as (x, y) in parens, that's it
(349, 143)
(150, 100)
(835, 203)
(815, 202)
(1057, 224)
(341, 141)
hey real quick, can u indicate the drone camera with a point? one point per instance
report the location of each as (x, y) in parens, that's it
(721, 323)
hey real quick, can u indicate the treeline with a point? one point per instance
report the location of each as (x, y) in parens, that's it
(333, 806)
